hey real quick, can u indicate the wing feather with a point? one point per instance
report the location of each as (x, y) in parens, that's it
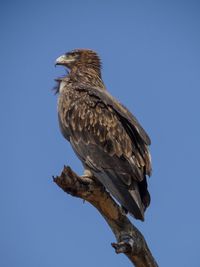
(110, 142)
(114, 128)
(125, 114)
(93, 121)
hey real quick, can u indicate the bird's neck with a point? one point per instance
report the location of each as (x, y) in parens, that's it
(87, 76)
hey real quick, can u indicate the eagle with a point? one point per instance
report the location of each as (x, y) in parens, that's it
(106, 137)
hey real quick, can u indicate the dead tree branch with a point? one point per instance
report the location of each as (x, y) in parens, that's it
(129, 239)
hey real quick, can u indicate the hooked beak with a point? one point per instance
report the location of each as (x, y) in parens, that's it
(63, 60)
(60, 60)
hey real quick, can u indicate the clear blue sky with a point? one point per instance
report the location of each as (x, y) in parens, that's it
(151, 63)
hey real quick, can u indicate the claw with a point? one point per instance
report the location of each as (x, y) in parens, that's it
(85, 179)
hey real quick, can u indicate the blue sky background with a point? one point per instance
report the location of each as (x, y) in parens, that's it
(151, 62)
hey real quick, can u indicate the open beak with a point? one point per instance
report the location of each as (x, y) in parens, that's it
(63, 60)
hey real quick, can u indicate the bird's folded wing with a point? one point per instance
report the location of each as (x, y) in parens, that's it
(93, 121)
(123, 112)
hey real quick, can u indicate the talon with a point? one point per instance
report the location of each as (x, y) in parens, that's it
(85, 179)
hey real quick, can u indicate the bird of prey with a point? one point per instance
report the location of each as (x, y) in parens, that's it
(106, 137)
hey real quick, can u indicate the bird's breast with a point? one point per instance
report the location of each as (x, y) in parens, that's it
(68, 103)
(61, 87)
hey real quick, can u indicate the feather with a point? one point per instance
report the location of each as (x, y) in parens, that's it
(106, 137)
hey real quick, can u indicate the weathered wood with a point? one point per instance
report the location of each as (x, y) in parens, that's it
(130, 241)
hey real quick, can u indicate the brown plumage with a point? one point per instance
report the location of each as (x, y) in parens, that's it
(106, 137)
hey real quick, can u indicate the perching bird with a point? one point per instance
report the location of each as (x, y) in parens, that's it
(106, 137)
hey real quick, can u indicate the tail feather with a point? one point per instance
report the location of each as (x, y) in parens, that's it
(129, 198)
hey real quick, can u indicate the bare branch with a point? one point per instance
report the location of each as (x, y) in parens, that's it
(130, 241)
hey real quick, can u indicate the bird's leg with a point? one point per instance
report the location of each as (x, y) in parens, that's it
(87, 174)
(87, 177)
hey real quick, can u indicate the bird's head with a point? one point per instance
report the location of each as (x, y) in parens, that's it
(78, 58)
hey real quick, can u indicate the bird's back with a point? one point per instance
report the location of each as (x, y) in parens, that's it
(106, 137)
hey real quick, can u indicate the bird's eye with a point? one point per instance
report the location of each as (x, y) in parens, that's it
(73, 54)
(70, 54)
